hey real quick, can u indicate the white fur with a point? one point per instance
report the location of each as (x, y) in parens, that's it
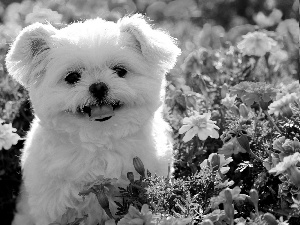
(63, 151)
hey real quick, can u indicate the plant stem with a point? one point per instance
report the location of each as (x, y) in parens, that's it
(255, 125)
(255, 64)
(272, 121)
(269, 73)
(255, 156)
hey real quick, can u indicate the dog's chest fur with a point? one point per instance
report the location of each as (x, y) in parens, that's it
(68, 164)
(64, 155)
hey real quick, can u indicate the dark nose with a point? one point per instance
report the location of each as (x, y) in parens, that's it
(98, 90)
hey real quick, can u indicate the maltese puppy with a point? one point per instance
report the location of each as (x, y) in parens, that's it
(95, 88)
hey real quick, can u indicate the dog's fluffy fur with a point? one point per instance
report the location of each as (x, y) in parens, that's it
(65, 149)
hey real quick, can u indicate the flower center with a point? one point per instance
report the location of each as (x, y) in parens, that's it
(201, 122)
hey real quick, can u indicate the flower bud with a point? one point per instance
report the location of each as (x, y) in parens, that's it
(244, 142)
(169, 171)
(130, 177)
(207, 222)
(228, 195)
(215, 162)
(270, 219)
(254, 198)
(139, 166)
(235, 110)
(229, 211)
(103, 201)
(190, 101)
(243, 110)
(294, 175)
(224, 90)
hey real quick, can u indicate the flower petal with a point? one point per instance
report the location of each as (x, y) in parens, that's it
(224, 169)
(184, 129)
(235, 191)
(186, 120)
(214, 134)
(145, 209)
(202, 134)
(204, 164)
(207, 115)
(190, 134)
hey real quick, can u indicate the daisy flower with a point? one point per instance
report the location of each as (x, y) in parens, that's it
(200, 125)
(277, 143)
(251, 92)
(8, 137)
(256, 44)
(228, 101)
(286, 146)
(284, 89)
(287, 163)
(283, 105)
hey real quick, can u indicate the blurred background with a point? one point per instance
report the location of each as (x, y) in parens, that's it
(197, 24)
(188, 20)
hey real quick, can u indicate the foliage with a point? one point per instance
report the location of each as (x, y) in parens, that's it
(232, 102)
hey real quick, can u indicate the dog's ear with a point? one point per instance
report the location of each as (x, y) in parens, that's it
(155, 45)
(24, 60)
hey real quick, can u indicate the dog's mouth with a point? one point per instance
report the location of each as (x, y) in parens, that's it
(99, 112)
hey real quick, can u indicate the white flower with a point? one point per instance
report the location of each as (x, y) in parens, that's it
(288, 162)
(200, 125)
(256, 43)
(228, 101)
(283, 104)
(8, 137)
(43, 15)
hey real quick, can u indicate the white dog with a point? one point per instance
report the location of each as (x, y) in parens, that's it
(94, 87)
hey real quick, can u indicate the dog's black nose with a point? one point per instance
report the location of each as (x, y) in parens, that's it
(98, 90)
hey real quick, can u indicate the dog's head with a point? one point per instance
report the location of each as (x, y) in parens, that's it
(93, 73)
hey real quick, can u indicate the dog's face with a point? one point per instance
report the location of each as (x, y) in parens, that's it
(95, 73)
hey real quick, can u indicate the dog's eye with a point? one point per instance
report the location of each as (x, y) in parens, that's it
(120, 71)
(73, 77)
